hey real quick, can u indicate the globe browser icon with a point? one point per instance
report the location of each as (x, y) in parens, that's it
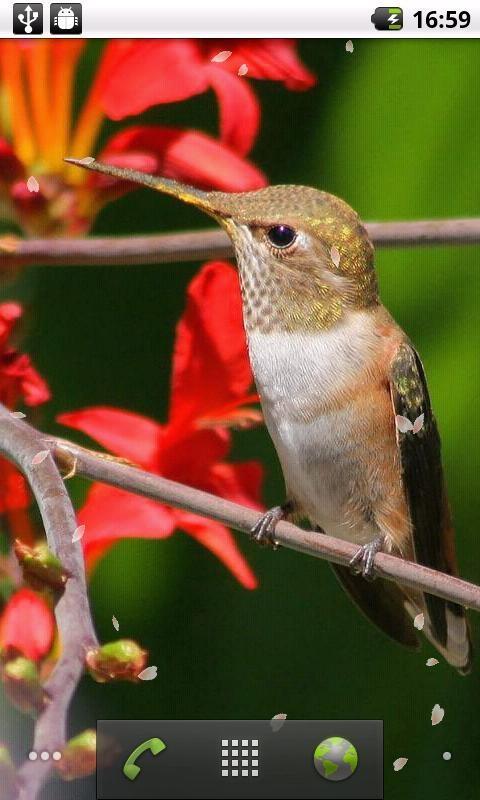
(335, 759)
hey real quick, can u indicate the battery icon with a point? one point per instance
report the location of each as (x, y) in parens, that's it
(388, 19)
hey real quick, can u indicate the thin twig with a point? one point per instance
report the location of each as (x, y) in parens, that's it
(198, 245)
(160, 249)
(242, 518)
(20, 443)
(424, 232)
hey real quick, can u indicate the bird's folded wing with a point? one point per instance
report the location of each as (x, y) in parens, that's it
(422, 475)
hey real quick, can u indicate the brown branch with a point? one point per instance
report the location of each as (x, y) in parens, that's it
(424, 232)
(241, 518)
(168, 248)
(20, 443)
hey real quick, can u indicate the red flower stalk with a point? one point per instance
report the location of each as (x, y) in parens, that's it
(27, 626)
(211, 378)
(37, 81)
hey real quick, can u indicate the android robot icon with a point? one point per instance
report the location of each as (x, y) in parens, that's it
(66, 19)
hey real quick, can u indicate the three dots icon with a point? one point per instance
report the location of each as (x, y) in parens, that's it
(44, 755)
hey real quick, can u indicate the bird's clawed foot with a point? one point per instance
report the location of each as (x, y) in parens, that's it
(263, 532)
(362, 562)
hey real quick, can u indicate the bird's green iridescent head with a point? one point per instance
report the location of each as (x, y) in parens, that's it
(304, 257)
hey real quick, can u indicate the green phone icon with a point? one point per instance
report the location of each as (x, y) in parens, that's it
(130, 769)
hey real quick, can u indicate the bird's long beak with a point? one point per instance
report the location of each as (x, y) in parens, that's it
(213, 203)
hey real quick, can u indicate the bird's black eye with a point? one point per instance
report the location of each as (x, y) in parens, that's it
(281, 235)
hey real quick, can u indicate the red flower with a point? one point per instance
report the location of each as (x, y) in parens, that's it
(27, 626)
(19, 381)
(181, 68)
(18, 378)
(211, 377)
(37, 82)
(190, 156)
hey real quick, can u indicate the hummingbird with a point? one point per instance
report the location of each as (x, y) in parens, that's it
(343, 394)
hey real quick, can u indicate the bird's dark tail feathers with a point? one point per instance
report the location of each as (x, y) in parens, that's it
(392, 610)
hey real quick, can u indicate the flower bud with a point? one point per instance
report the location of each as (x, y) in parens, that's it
(78, 756)
(22, 685)
(121, 660)
(41, 567)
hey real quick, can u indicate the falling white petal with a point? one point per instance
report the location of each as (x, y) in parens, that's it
(349, 46)
(432, 661)
(39, 457)
(418, 424)
(403, 424)
(438, 714)
(222, 56)
(78, 533)
(399, 763)
(242, 70)
(446, 756)
(419, 622)
(33, 185)
(115, 623)
(148, 674)
(277, 721)
(18, 414)
(335, 255)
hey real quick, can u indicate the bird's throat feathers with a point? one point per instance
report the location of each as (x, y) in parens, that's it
(310, 292)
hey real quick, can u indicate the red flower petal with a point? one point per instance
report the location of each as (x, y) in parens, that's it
(13, 489)
(210, 362)
(236, 414)
(18, 375)
(188, 156)
(18, 378)
(114, 53)
(239, 109)
(9, 314)
(143, 162)
(111, 514)
(220, 541)
(270, 59)
(240, 483)
(11, 168)
(126, 434)
(27, 625)
(34, 389)
(187, 455)
(148, 72)
(136, 75)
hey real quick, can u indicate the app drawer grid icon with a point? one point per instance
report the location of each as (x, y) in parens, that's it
(239, 758)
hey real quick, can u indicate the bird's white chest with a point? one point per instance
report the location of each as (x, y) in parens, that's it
(297, 376)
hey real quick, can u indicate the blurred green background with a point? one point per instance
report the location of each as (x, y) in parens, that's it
(393, 129)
